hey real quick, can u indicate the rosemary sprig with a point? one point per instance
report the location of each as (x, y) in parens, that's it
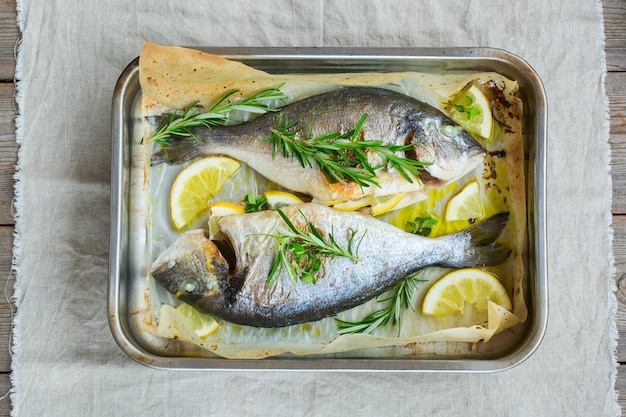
(218, 114)
(398, 299)
(342, 157)
(300, 252)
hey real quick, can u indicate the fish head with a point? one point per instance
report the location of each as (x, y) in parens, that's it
(451, 150)
(192, 268)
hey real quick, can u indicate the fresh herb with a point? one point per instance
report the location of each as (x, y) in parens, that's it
(254, 204)
(422, 225)
(342, 157)
(398, 300)
(469, 109)
(300, 252)
(218, 114)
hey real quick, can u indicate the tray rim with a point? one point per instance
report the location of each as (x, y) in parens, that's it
(538, 317)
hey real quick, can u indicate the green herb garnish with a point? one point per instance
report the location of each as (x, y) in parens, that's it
(254, 204)
(423, 225)
(300, 252)
(398, 299)
(342, 157)
(218, 114)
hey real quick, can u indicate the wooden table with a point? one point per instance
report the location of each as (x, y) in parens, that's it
(615, 23)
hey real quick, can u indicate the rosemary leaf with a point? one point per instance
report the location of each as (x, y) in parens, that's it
(300, 252)
(180, 124)
(397, 300)
(342, 157)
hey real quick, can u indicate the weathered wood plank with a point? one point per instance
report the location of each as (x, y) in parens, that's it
(8, 152)
(620, 386)
(8, 36)
(616, 92)
(5, 401)
(6, 292)
(619, 249)
(615, 34)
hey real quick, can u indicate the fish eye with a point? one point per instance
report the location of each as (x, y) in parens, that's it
(189, 286)
(450, 130)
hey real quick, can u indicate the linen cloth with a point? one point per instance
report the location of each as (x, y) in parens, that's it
(66, 362)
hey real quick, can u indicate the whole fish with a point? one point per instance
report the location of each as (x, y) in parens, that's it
(394, 118)
(234, 286)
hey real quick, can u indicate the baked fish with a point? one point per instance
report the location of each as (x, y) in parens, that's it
(394, 118)
(234, 286)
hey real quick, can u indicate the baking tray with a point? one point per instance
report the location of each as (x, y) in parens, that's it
(127, 266)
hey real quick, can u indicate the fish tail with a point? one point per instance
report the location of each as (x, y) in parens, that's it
(483, 248)
(179, 150)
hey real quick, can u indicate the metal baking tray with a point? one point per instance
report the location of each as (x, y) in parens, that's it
(127, 270)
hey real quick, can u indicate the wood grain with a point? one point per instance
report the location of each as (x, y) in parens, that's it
(8, 152)
(615, 34)
(616, 91)
(6, 292)
(8, 38)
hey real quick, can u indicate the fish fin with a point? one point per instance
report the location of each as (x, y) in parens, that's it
(483, 249)
(178, 151)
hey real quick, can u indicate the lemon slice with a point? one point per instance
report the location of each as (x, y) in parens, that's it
(216, 212)
(466, 204)
(464, 286)
(386, 203)
(470, 108)
(203, 324)
(327, 203)
(278, 199)
(196, 185)
(224, 208)
(352, 205)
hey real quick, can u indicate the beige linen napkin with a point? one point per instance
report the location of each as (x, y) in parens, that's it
(66, 362)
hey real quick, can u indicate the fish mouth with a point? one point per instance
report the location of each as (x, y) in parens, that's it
(225, 248)
(450, 168)
(475, 153)
(192, 256)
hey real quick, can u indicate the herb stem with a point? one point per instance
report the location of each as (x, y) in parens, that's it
(300, 252)
(342, 157)
(220, 113)
(398, 300)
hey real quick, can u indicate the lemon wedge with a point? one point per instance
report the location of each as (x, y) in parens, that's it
(384, 204)
(470, 108)
(217, 211)
(464, 286)
(224, 208)
(278, 199)
(352, 205)
(203, 324)
(466, 204)
(195, 185)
